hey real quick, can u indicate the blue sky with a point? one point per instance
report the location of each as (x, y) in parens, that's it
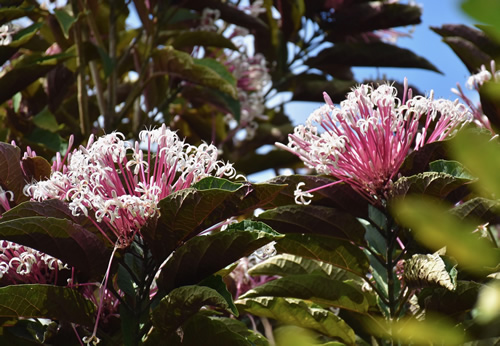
(423, 42)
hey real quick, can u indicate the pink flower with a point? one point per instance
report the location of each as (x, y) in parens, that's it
(365, 140)
(122, 184)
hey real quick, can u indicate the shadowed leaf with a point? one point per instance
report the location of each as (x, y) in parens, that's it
(46, 301)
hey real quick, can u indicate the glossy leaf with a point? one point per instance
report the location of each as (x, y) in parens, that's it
(453, 168)
(46, 301)
(285, 265)
(479, 208)
(182, 65)
(313, 219)
(316, 288)
(434, 227)
(216, 282)
(339, 196)
(430, 183)
(338, 252)
(205, 255)
(299, 313)
(190, 211)
(181, 304)
(62, 239)
(369, 54)
(11, 174)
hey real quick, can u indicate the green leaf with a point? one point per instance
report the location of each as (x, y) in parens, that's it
(313, 219)
(11, 174)
(47, 121)
(16, 101)
(25, 34)
(316, 288)
(485, 11)
(299, 313)
(205, 255)
(453, 168)
(45, 138)
(479, 208)
(62, 239)
(451, 303)
(202, 38)
(285, 265)
(369, 54)
(254, 337)
(182, 65)
(46, 301)
(188, 212)
(201, 327)
(216, 183)
(434, 227)
(26, 70)
(181, 304)
(8, 14)
(338, 252)
(65, 20)
(435, 184)
(291, 16)
(217, 67)
(481, 156)
(418, 161)
(428, 270)
(216, 282)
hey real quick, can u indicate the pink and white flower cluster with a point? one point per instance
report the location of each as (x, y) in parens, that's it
(365, 140)
(122, 182)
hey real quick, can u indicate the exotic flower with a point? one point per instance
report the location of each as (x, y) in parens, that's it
(22, 264)
(122, 184)
(366, 139)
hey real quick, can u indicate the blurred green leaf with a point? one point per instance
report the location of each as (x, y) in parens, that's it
(47, 121)
(338, 252)
(435, 227)
(65, 20)
(481, 155)
(182, 65)
(8, 14)
(217, 67)
(202, 38)
(24, 35)
(316, 288)
(298, 312)
(46, 138)
(485, 11)
(46, 301)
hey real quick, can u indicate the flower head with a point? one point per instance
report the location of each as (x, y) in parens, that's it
(365, 140)
(122, 184)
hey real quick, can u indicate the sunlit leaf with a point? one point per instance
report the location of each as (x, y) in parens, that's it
(316, 288)
(285, 264)
(46, 301)
(434, 227)
(338, 252)
(299, 313)
(428, 270)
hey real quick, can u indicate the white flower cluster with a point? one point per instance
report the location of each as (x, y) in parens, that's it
(25, 261)
(6, 32)
(478, 79)
(122, 184)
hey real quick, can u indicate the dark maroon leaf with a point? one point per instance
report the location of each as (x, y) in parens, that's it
(472, 56)
(62, 239)
(46, 301)
(36, 168)
(369, 54)
(418, 161)
(313, 219)
(11, 174)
